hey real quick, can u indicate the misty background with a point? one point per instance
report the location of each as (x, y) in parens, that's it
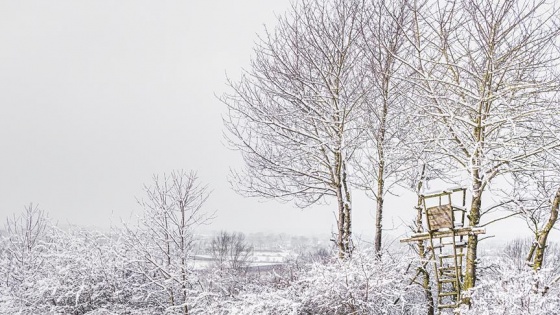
(97, 96)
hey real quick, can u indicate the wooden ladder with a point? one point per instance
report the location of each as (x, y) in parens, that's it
(448, 248)
(449, 272)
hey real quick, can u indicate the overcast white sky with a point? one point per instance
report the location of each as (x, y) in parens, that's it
(97, 96)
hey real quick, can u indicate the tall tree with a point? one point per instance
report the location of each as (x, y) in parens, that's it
(384, 154)
(486, 72)
(293, 114)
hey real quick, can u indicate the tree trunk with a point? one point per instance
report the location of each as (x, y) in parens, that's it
(379, 212)
(476, 203)
(340, 225)
(543, 234)
(167, 252)
(421, 249)
(381, 167)
(428, 291)
(344, 241)
(472, 245)
(182, 229)
(344, 213)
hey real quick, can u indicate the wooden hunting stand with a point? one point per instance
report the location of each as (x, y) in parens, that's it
(446, 243)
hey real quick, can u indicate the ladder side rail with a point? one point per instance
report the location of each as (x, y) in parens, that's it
(458, 270)
(458, 261)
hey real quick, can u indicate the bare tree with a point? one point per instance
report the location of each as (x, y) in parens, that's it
(293, 114)
(486, 73)
(231, 250)
(384, 154)
(26, 235)
(536, 197)
(164, 237)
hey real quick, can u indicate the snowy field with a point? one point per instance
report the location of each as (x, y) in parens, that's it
(258, 261)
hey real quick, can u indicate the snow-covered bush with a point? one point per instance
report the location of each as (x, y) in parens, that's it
(361, 285)
(504, 289)
(78, 272)
(75, 271)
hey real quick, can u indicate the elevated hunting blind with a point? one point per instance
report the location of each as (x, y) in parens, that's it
(444, 241)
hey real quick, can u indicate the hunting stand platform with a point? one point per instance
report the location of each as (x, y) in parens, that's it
(446, 243)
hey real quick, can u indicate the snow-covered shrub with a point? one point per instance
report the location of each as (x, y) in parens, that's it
(504, 289)
(361, 285)
(78, 273)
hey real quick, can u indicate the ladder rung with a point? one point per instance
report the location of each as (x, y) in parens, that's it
(449, 275)
(448, 305)
(450, 256)
(447, 268)
(448, 280)
(450, 272)
(448, 294)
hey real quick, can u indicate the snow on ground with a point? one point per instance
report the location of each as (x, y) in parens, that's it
(260, 260)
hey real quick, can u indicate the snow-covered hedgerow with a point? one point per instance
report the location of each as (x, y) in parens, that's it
(361, 285)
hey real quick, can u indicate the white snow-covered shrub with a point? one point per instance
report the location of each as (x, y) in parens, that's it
(361, 285)
(504, 289)
(77, 272)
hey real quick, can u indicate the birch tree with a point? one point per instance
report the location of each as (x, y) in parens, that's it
(487, 75)
(293, 114)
